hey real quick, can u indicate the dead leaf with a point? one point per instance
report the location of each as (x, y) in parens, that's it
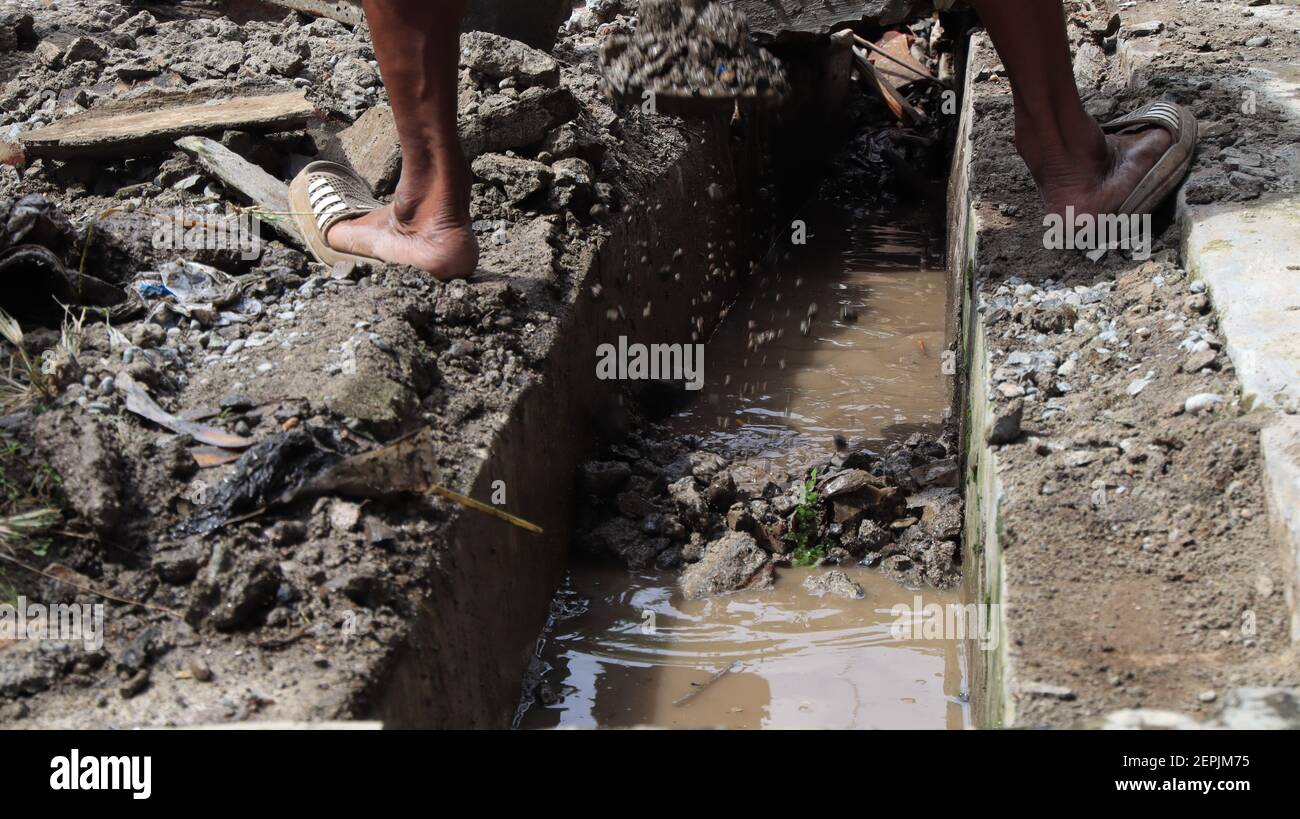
(139, 401)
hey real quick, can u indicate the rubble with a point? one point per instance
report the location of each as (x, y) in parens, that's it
(685, 500)
(180, 416)
(691, 50)
(730, 563)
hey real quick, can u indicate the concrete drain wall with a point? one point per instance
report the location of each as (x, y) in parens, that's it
(473, 638)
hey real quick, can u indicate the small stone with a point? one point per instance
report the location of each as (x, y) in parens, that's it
(1006, 424)
(135, 685)
(1201, 402)
(1204, 360)
(835, 583)
(84, 48)
(344, 516)
(1208, 696)
(200, 670)
(1147, 29)
(1045, 691)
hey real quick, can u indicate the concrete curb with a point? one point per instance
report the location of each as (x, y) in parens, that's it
(1245, 253)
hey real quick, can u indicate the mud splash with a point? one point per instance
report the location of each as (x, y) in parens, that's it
(842, 337)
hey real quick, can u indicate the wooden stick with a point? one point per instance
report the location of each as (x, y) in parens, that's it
(470, 503)
(699, 689)
(868, 44)
(89, 590)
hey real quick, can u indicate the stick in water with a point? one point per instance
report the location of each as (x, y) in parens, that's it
(700, 687)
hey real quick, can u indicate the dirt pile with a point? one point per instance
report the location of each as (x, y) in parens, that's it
(690, 49)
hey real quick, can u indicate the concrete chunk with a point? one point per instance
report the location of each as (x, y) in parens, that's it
(154, 121)
(238, 174)
(371, 147)
(500, 57)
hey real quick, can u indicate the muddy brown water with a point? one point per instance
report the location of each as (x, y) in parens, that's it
(782, 382)
(867, 363)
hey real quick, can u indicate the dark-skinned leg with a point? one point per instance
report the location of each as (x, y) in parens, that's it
(1069, 157)
(427, 224)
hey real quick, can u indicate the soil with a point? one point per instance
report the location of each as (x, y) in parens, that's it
(690, 49)
(314, 364)
(1144, 570)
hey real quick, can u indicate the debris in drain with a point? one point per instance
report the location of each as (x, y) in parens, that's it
(677, 507)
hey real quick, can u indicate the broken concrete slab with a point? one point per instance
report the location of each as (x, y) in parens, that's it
(502, 58)
(536, 22)
(784, 18)
(519, 178)
(257, 186)
(505, 123)
(371, 147)
(155, 120)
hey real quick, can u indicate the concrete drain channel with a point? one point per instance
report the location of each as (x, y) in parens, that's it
(766, 411)
(834, 353)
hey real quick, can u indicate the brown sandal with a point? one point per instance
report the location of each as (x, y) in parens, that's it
(321, 196)
(1172, 168)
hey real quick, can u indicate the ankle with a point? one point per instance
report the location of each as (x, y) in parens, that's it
(426, 197)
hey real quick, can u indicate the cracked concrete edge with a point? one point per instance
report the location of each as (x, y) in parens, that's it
(1248, 255)
(1281, 445)
(991, 672)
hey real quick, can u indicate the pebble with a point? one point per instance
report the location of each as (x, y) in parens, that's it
(1005, 427)
(135, 685)
(1207, 696)
(1201, 402)
(235, 347)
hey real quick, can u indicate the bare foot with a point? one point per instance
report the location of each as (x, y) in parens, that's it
(444, 248)
(1102, 190)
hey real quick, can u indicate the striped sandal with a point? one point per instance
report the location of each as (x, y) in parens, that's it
(1172, 168)
(321, 196)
